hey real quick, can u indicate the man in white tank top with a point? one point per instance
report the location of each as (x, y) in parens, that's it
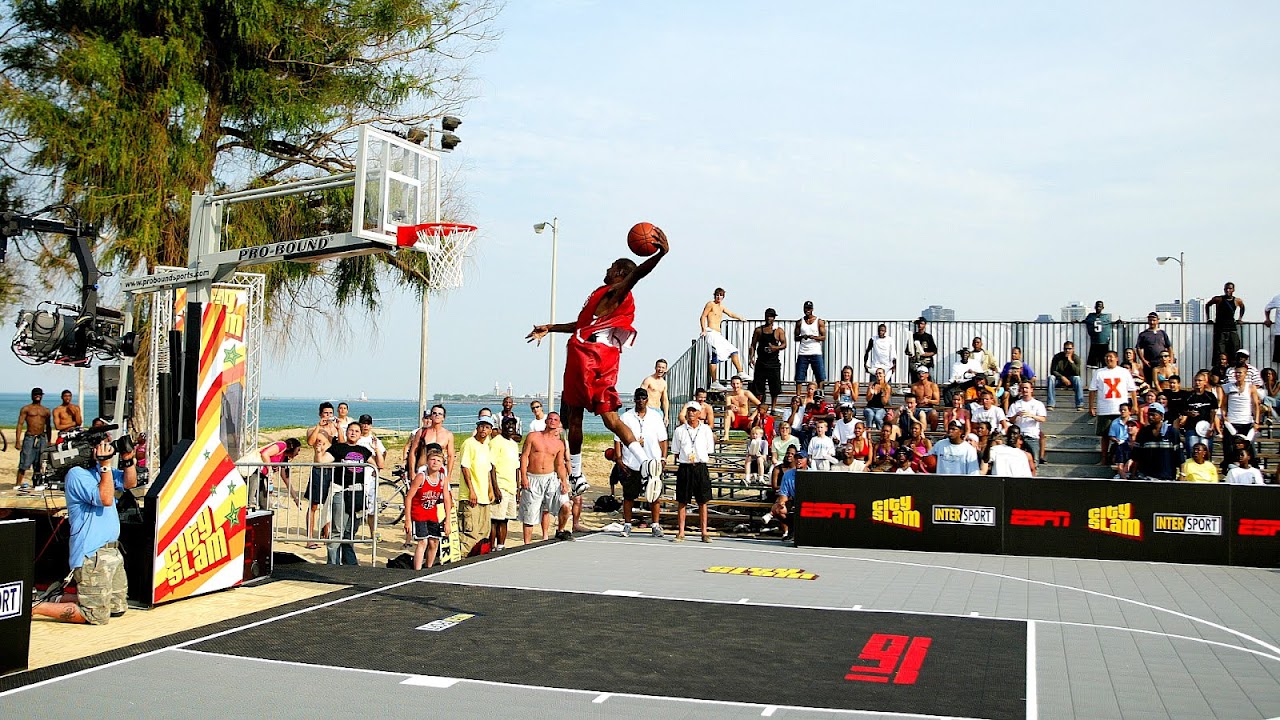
(809, 334)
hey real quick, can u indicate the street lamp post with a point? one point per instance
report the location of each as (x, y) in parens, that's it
(1182, 281)
(551, 349)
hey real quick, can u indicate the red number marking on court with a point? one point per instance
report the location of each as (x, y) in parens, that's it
(889, 653)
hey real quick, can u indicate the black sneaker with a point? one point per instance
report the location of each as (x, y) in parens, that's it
(564, 535)
(118, 614)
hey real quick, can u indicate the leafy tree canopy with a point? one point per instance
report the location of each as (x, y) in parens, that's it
(122, 108)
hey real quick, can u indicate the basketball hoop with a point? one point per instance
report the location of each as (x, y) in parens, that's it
(445, 245)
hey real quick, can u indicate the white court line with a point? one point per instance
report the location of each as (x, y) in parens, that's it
(600, 698)
(1033, 701)
(1274, 651)
(769, 711)
(860, 609)
(596, 695)
(266, 621)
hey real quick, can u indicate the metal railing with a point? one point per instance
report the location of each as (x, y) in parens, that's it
(352, 508)
(847, 341)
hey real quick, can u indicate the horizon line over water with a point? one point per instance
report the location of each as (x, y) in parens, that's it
(278, 413)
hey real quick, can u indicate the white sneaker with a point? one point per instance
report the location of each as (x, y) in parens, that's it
(626, 530)
(578, 486)
(719, 386)
(657, 531)
(745, 375)
(650, 468)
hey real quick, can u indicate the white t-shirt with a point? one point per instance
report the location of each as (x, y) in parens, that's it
(1029, 426)
(821, 452)
(882, 352)
(1274, 305)
(1114, 387)
(961, 371)
(537, 425)
(995, 416)
(843, 432)
(1244, 476)
(652, 429)
(1009, 462)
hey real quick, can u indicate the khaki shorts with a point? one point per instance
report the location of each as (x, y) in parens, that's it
(504, 509)
(102, 586)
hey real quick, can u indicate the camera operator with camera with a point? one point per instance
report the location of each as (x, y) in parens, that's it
(96, 562)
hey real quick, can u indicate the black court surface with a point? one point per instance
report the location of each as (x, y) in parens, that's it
(617, 628)
(769, 656)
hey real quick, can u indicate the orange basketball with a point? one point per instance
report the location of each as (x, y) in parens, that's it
(608, 454)
(641, 238)
(929, 463)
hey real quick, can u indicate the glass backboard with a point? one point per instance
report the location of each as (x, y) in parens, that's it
(397, 183)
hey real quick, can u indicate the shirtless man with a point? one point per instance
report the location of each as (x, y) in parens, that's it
(721, 349)
(434, 432)
(708, 413)
(67, 416)
(740, 401)
(598, 335)
(544, 482)
(35, 417)
(323, 434)
(656, 386)
(762, 355)
(927, 393)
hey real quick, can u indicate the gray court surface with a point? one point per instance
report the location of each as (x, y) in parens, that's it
(1104, 639)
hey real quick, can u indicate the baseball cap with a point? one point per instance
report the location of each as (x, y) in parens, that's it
(486, 419)
(922, 368)
(808, 304)
(846, 406)
(691, 405)
(366, 419)
(1243, 351)
(426, 413)
(1155, 407)
(801, 454)
(1153, 314)
(956, 424)
(817, 394)
(770, 312)
(1016, 364)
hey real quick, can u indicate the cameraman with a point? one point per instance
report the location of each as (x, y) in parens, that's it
(95, 559)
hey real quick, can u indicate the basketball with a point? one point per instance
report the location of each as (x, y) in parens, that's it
(641, 238)
(608, 454)
(929, 463)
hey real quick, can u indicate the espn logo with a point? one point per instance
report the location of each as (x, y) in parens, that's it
(1040, 518)
(964, 515)
(828, 510)
(1258, 528)
(10, 600)
(1186, 524)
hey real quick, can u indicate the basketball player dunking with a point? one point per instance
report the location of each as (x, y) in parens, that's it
(595, 345)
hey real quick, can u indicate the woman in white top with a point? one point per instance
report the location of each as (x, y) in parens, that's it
(1243, 473)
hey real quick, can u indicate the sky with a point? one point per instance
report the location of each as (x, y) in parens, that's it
(1000, 158)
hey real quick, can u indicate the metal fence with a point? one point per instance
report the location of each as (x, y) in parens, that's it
(847, 340)
(348, 512)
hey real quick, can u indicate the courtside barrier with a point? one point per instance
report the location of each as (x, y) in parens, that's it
(1215, 524)
(17, 578)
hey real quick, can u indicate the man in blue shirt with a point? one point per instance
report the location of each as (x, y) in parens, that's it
(95, 557)
(955, 456)
(787, 491)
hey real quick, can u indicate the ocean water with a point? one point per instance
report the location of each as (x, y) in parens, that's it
(302, 412)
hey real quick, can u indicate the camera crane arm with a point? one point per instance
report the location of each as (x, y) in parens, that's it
(13, 224)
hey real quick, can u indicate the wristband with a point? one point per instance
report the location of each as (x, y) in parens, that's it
(126, 463)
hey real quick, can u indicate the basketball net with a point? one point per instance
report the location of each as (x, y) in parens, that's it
(445, 245)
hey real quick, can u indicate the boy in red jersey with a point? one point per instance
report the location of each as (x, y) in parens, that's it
(596, 340)
(430, 504)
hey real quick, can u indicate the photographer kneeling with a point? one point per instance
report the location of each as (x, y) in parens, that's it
(95, 559)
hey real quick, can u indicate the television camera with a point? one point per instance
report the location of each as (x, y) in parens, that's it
(76, 449)
(58, 332)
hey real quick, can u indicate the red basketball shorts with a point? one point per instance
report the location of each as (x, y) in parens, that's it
(591, 376)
